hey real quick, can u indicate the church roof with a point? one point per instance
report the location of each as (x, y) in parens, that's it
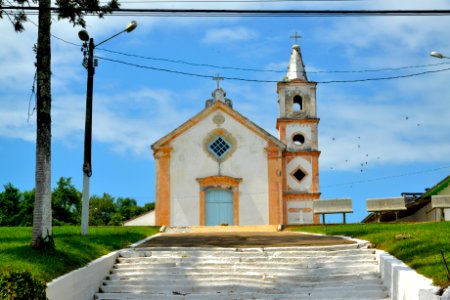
(224, 107)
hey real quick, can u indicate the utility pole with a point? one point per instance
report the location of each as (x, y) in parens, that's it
(88, 50)
(87, 166)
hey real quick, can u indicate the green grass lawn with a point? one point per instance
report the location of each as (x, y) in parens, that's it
(416, 244)
(72, 249)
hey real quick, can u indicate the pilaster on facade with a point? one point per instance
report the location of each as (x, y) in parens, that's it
(162, 186)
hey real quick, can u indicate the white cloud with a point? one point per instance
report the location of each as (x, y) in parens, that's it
(129, 121)
(228, 35)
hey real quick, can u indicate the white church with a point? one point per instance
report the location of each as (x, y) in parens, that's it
(220, 168)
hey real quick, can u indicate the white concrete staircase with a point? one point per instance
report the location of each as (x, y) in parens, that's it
(327, 272)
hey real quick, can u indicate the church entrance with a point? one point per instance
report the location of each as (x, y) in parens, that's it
(219, 207)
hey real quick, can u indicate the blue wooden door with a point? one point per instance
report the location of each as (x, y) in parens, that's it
(219, 207)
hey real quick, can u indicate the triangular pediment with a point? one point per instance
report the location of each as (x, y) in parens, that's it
(217, 106)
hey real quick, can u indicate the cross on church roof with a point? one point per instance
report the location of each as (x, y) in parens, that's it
(218, 79)
(296, 37)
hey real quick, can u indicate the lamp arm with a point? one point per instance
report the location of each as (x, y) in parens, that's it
(109, 38)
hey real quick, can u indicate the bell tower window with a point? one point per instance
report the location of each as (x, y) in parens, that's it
(298, 139)
(297, 103)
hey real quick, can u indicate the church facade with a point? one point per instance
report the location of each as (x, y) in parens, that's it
(220, 168)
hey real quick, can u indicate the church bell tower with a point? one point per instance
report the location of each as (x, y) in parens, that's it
(297, 127)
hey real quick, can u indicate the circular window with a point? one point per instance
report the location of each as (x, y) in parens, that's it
(298, 139)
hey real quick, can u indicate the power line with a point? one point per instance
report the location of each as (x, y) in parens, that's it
(388, 177)
(267, 81)
(243, 12)
(262, 70)
(269, 70)
(226, 1)
(385, 78)
(180, 72)
(56, 37)
(177, 61)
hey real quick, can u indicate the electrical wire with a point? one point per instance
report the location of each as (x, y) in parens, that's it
(179, 72)
(242, 12)
(225, 1)
(387, 177)
(384, 78)
(56, 37)
(269, 70)
(267, 81)
(259, 70)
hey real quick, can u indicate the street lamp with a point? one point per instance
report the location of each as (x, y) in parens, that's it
(88, 63)
(438, 55)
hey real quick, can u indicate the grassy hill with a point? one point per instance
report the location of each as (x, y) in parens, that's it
(72, 249)
(416, 244)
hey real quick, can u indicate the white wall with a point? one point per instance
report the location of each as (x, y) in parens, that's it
(189, 161)
(147, 219)
(425, 214)
(403, 282)
(306, 166)
(82, 283)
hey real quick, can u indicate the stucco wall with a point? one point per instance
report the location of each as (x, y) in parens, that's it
(147, 219)
(189, 161)
(425, 214)
(306, 165)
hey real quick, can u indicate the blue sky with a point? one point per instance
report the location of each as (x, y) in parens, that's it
(399, 130)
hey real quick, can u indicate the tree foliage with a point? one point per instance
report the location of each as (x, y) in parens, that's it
(66, 204)
(16, 208)
(74, 10)
(9, 207)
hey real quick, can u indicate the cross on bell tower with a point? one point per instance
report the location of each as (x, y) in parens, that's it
(295, 37)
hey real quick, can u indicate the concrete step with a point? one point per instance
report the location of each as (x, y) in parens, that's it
(244, 258)
(242, 296)
(294, 253)
(238, 289)
(231, 284)
(252, 250)
(245, 265)
(231, 271)
(262, 294)
(249, 277)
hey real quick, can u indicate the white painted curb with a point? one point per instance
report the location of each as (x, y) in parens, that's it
(403, 282)
(83, 283)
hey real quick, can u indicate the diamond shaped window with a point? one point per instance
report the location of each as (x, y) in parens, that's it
(298, 174)
(219, 147)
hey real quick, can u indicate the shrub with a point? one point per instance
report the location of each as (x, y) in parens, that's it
(21, 285)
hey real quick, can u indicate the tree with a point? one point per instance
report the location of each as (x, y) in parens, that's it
(75, 11)
(101, 209)
(128, 208)
(66, 203)
(9, 205)
(26, 206)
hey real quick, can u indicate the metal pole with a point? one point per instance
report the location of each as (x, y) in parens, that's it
(87, 167)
